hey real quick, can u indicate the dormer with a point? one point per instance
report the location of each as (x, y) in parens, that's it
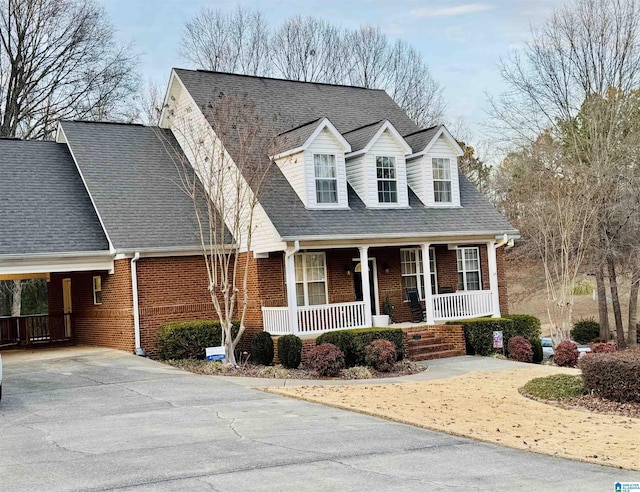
(376, 165)
(311, 157)
(432, 168)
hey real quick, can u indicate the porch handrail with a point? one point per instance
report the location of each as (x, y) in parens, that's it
(463, 305)
(315, 319)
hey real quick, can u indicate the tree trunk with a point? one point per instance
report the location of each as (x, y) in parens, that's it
(16, 300)
(615, 301)
(632, 330)
(603, 312)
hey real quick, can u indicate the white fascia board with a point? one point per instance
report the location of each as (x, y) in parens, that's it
(86, 187)
(166, 252)
(386, 126)
(442, 131)
(287, 153)
(449, 235)
(165, 100)
(325, 123)
(56, 263)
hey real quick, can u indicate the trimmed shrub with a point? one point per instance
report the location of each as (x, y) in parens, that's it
(520, 349)
(555, 387)
(566, 354)
(290, 351)
(603, 348)
(353, 342)
(189, 339)
(614, 376)
(585, 331)
(326, 359)
(357, 372)
(536, 348)
(262, 348)
(275, 372)
(524, 325)
(478, 333)
(380, 354)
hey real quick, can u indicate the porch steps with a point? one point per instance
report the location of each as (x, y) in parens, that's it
(429, 346)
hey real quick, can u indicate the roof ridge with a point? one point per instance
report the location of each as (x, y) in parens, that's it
(300, 126)
(279, 79)
(101, 122)
(365, 126)
(422, 130)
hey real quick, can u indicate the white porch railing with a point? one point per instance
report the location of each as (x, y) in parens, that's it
(315, 319)
(462, 305)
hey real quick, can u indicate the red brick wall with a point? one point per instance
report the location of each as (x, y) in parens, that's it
(109, 324)
(502, 281)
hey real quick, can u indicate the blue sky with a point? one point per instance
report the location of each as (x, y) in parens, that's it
(462, 40)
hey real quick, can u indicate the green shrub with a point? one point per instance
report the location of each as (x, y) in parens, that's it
(353, 342)
(556, 387)
(262, 348)
(614, 376)
(357, 372)
(536, 347)
(520, 349)
(380, 354)
(326, 359)
(585, 331)
(189, 339)
(275, 372)
(566, 354)
(478, 333)
(290, 351)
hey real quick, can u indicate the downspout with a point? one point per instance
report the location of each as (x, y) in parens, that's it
(136, 312)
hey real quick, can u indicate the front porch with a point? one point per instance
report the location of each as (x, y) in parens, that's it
(328, 290)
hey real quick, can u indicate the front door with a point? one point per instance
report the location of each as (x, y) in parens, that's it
(357, 281)
(67, 307)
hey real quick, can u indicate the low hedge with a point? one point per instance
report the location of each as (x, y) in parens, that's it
(585, 331)
(614, 376)
(290, 351)
(478, 332)
(353, 342)
(262, 348)
(189, 339)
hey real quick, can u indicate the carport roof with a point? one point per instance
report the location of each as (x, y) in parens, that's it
(44, 206)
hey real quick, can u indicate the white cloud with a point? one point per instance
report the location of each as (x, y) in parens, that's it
(469, 8)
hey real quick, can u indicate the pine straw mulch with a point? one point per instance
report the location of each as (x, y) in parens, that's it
(402, 368)
(595, 404)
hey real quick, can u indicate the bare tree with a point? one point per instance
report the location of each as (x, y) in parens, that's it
(148, 104)
(224, 176)
(237, 42)
(58, 59)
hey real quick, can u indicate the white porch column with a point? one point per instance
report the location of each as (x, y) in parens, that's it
(366, 286)
(292, 298)
(493, 278)
(428, 295)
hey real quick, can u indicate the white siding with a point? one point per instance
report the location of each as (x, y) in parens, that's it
(325, 143)
(293, 168)
(441, 148)
(362, 172)
(416, 178)
(195, 136)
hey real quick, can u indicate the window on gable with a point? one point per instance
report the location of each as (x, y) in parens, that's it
(412, 269)
(311, 279)
(441, 180)
(326, 178)
(469, 269)
(387, 183)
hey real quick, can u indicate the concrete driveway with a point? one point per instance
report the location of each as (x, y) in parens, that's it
(96, 419)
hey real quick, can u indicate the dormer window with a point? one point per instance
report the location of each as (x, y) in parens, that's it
(326, 178)
(387, 181)
(441, 179)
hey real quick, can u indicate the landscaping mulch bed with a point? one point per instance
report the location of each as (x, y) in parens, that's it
(592, 403)
(402, 368)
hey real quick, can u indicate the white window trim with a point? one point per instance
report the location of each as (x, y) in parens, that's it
(96, 290)
(315, 181)
(464, 271)
(450, 181)
(305, 282)
(420, 270)
(395, 172)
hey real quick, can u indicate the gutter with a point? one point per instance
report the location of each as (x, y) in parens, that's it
(136, 312)
(397, 235)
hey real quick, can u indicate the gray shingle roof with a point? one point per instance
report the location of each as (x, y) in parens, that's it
(294, 138)
(420, 139)
(358, 138)
(44, 206)
(284, 104)
(133, 174)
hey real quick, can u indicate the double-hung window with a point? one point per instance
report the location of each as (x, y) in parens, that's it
(412, 271)
(326, 178)
(97, 289)
(311, 279)
(469, 269)
(441, 180)
(387, 181)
